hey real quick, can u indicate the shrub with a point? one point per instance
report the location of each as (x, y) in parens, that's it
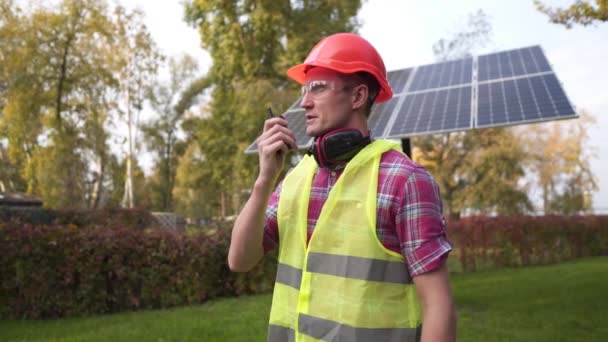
(527, 240)
(64, 270)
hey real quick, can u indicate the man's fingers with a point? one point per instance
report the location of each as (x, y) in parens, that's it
(278, 132)
(268, 124)
(281, 137)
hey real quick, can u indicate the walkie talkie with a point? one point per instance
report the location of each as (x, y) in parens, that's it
(270, 116)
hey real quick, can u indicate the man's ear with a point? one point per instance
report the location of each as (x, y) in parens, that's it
(360, 95)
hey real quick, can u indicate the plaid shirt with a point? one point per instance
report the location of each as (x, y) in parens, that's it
(409, 212)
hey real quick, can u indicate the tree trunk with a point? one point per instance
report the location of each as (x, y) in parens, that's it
(98, 185)
(128, 200)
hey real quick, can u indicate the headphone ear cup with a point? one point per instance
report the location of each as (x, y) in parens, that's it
(316, 150)
(337, 146)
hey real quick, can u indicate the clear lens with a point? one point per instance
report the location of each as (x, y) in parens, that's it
(317, 87)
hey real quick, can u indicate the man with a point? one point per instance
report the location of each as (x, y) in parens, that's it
(359, 226)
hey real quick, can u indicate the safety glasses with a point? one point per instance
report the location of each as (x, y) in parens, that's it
(319, 88)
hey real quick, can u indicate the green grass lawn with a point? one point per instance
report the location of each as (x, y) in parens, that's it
(566, 302)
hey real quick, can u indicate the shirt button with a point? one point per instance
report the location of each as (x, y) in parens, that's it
(333, 173)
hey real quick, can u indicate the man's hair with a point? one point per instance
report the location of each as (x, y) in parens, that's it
(373, 87)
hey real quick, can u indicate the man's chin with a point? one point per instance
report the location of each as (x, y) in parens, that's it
(316, 132)
(313, 133)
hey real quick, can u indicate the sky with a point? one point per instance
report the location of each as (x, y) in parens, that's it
(404, 31)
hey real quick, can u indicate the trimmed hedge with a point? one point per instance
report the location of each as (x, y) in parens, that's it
(65, 270)
(58, 271)
(494, 242)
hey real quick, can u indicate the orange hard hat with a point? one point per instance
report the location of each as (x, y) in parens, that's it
(346, 53)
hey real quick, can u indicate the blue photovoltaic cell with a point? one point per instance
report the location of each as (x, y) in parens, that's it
(442, 75)
(380, 116)
(512, 63)
(525, 99)
(397, 79)
(296, 120)
(434, 111)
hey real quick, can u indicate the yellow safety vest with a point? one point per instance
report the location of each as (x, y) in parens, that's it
(345, 285)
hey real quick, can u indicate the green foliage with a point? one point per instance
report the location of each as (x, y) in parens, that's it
(251, 43)
(560, 162)
(58, 173)
(61, 68)
(581, 12)
(116, 172)
(193, 198)
(478, 170)
(58, 271)
(161, 133)
(10, 180)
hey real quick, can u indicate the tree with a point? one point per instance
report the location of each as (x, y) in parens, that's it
(116, 171)
(161, 133)
(252, 43)
(138, 63)
(581, 12)
(53, 79)
(561, 164)
(58, 94)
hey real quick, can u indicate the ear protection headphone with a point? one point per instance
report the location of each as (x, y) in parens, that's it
(338, 146)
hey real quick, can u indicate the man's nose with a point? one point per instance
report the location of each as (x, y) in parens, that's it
(306, 101)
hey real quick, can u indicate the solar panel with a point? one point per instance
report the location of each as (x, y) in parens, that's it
(527, 99)
(380, 117)
(512, 63)
(510, 87)
(442, 75)
(434, 111)
(398, 79)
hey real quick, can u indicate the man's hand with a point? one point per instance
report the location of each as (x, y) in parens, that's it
(273, 145)
(246, 246)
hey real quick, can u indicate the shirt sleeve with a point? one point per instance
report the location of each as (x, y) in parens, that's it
(420, 224)
(271, 224)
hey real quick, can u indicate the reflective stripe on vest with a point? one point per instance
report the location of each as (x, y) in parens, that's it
(289, 276)
(277, 333)
(327, 330)
(358, 268)
(344, 285)
(345, 266)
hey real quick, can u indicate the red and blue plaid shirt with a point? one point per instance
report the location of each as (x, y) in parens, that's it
(409, 212)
